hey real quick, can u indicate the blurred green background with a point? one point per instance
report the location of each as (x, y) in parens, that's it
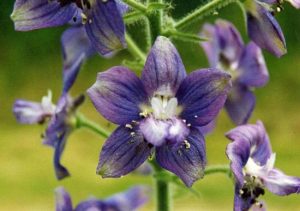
(30, 64)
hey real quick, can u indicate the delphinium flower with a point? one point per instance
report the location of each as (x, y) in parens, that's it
(77, 47)
(102, 20)
(252, 164)
(158, 113)
(225, 50)
(130, 200)
(263, 28)
(60, 125)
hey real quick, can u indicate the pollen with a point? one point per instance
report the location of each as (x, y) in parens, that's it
(187, 144)
(129, 126)
(84, 18)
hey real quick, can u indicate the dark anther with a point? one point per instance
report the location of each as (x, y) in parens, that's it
(245, 193)
(75, 19)
(258, 191)
(150, 145)
(253, 201)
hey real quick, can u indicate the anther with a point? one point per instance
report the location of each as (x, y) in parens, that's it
(132, 134)
(187, 144)
(189, 125)
(129, 126)
(84, 18)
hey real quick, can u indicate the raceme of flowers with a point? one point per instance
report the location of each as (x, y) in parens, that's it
(163, 116)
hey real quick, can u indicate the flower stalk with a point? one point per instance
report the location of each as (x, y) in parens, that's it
(83, 122)
(134, 49)
(155, 21)
(136, 5)
(202, 11)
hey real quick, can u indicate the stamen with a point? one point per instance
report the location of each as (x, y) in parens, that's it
(129, 126)
(84, 18)
(187, 144)
(132, 134)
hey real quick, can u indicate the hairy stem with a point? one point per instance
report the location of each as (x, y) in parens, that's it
(202, 11)
(155, 21)
(83, 122)
(134, 49)
(136, 5)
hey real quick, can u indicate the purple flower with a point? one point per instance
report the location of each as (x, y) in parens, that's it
(263, 28)
(77, 47)
(28, 112)
(126, 201)
(62, 121)
(59, 128)
(102, 20)
(159, 112)
(252, 164)
(225, 50)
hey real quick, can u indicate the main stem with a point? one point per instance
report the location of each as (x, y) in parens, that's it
(155, 21)
(163, 198)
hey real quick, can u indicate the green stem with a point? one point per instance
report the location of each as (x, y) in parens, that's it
(134, 49)
(204, 10)
(217, 169)
(83, 122)
(155, 21)
(162, 190)
(136, 5)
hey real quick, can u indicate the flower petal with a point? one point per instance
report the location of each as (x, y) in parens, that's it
(92, 204)
(63, 200)
(254, 72)
(247, 141)
(118, 94)
(28, 112)
(279, 183)
(129, 200)
(123, 152)
(202, 94)
(265, 31)
(35, 14)
(187, 160)
(295, 3)
(225, 44)
(164, 70)
(105, 26)
(76, 48)
(240, 104)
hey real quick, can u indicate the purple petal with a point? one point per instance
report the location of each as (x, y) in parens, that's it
(129, 200)
(254, 72)
(247, 141)
(238, 153)
(240, 104)
(123, 152)
(35, 14)
(225, 43)
(28, 112)
(118, 94)
(76, 48)
(63, 200)
(93, 205)
(187, 160)
(164, 70)
(105, 26)
(202, 94)
(205, 130)
(265, 31)
(279, 183)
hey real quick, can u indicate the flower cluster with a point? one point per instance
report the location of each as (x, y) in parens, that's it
(163, 115)
(126, 201)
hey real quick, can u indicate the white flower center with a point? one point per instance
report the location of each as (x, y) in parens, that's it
(254, 169)
(164, 107)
